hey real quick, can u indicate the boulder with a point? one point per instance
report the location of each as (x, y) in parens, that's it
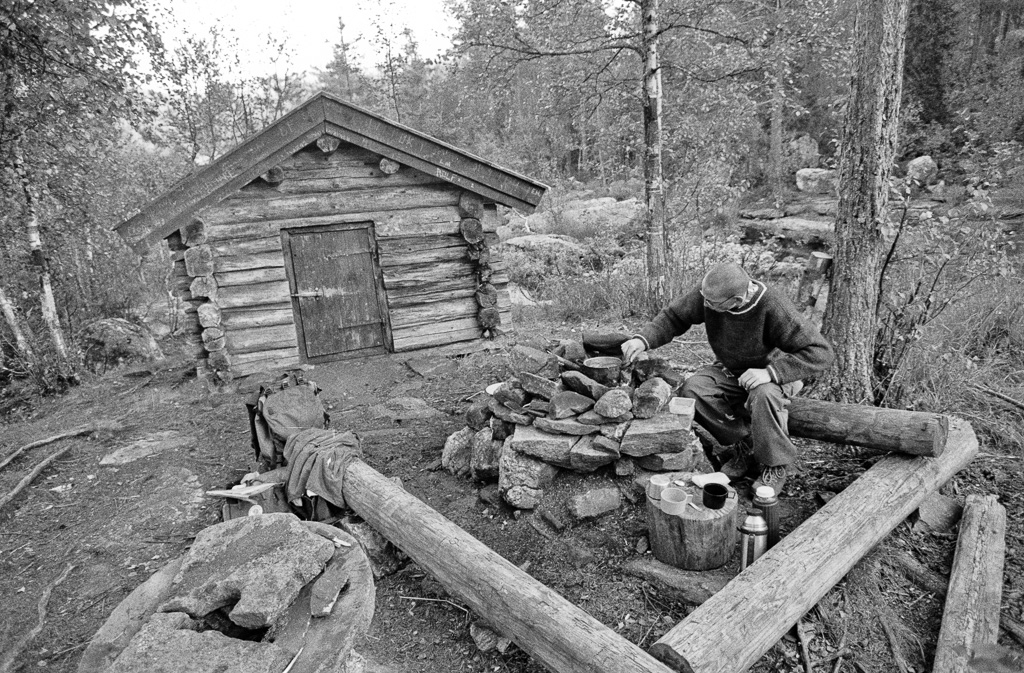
(664, 433)
(615, 403)
(816, 180)
(803, 151)
(616, 432)
(584, 385)
(567, 404)
(691, 459)
(532, 361)
(555, 449)
(595, 504)
(538, 385)
(486, 451)
(511, 394)
(522, 479)
(506, 414)
(479, 414)
(922, 171)
(565, 427)
(111, 342)
(257, 563)
(172, 642)
(457, 451)
(937, 513)
(651, 397)
(586, 456)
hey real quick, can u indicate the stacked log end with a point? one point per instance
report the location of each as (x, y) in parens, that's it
(471, 207)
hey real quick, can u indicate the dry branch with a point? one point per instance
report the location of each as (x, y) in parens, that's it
(49, 440)
(1000, 396)
(43, 464)
(7, 663)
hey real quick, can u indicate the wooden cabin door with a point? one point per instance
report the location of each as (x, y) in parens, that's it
(337, 290)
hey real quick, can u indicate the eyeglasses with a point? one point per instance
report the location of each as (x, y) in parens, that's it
(725, 304)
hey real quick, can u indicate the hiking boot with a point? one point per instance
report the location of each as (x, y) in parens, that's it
(772, 475)
(741, 465)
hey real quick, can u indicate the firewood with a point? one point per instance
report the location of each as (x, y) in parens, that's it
(970, 619)
(804, 635)
(7, 664)
(687, 586)
(919, 574)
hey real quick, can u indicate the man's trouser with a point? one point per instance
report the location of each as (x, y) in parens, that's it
(730, 413)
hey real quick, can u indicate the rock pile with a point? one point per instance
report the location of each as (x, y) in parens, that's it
(550, 416)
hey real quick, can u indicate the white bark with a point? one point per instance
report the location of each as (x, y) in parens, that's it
(22, 344)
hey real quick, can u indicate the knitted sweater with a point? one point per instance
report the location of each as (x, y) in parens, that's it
(765, 333)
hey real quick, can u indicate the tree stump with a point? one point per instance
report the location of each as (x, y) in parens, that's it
(698, 538)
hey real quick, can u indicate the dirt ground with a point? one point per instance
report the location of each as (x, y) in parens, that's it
(116, 524)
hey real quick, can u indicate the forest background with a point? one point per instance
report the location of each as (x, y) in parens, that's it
(99, 116)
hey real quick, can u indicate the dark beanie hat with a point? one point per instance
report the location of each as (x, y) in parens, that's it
(724, 281)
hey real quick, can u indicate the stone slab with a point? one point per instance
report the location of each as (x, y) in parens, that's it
(663, 433)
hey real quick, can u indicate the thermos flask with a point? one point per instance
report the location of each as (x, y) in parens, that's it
(766, 500)
(753, 537)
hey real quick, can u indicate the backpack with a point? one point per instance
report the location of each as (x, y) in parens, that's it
(281, 411)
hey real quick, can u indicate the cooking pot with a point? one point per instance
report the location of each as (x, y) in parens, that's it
(605, 370)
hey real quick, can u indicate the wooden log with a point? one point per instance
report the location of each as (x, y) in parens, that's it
(421, 257)
(420, 276)
(416, 340)
(250, 276)
(213, 343)
(193, 233)
(696, 539)
(442, 220)
(261, 206)
(268, 365)
(209, 315)
(553, 631)
(970, 619)
(274, 176)
(471, 205)
(487, 295)
(247, 246)
(203, 286)
(415, 244)
(491, 219)
(256, 339)
(432, 312)
(389, 167)
(689, 586)
(212, 334)
(913, 432)
(259, 294)
(260, 356)
(220, 360)
(174, 242)
(261, 316)
(263, 260)
(199, 261)
(368, 178)
(327, 143)
(733, 628)
(472, 230)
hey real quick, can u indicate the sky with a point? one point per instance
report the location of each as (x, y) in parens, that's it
(310, 27)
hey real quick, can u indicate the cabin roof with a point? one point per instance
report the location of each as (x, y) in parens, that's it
(324, 114)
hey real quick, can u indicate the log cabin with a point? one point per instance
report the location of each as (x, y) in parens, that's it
(334, 233)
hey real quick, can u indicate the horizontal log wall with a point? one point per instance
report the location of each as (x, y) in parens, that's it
(430, 281)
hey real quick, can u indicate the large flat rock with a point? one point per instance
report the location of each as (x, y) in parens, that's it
(663, 433)
(258, 563)
(543, 445)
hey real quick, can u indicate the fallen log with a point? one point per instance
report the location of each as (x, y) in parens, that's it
(552, 630)
(687, 586)
(736, 626)
(970, 619)
(913, 432)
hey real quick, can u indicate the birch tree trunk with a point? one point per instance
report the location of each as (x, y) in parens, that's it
(775, 151)
(865, 165)
(20, 342)
(654, 189)
(47, 303)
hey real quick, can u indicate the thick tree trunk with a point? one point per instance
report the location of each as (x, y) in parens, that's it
(654, 190)
(868, 150)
